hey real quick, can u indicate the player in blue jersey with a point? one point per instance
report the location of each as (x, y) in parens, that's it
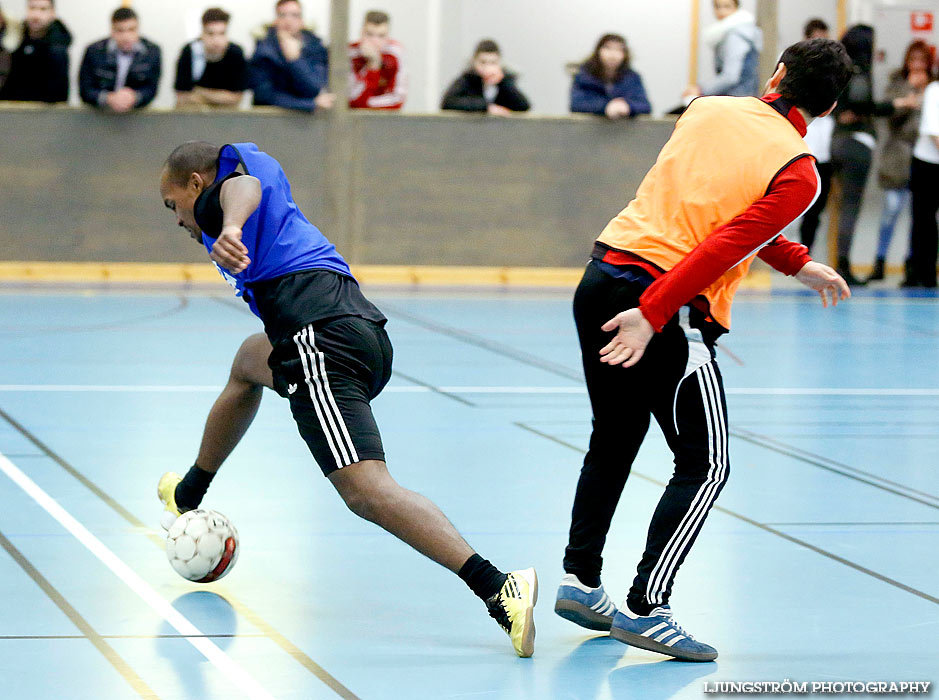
(324, 349)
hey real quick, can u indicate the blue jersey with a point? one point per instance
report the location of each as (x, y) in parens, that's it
(279, 238)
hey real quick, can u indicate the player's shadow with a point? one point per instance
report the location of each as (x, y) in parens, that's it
(214, 616)
(583, 672)
(656, 680)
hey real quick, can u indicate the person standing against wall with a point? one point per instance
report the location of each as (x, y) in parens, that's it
(897, 152)
(853, 142)
(818, 137)
(924, 185)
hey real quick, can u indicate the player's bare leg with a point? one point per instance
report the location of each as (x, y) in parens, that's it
(229, 419)
(237, 405)
(371, 493)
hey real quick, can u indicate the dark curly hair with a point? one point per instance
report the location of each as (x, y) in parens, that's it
(817, 71)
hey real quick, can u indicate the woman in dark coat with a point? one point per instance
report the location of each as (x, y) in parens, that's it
(606, 85)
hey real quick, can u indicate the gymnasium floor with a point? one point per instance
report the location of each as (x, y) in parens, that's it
(820, 563)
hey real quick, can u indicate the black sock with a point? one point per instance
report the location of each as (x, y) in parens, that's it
(483, 578)
(191, 490)
(639, 606)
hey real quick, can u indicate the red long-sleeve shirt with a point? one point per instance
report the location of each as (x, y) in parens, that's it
(790, 194)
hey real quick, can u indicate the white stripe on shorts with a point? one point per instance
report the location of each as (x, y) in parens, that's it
(331, 421)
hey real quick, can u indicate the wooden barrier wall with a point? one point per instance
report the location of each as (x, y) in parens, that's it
(79, 185)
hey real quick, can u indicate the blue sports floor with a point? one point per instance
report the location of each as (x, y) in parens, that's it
(820, 563)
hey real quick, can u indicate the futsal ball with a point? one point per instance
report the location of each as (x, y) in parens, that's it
(202, 545)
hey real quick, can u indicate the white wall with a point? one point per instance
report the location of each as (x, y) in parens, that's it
(793, 14)
(538, 37)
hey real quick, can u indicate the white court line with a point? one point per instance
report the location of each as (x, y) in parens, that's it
(222, 661)
(830, 391)
(206, 388)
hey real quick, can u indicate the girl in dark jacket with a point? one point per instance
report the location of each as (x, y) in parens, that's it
(606, 85)
(486, 87)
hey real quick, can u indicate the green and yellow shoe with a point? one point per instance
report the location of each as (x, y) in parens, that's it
(166, 490)
(513, 608)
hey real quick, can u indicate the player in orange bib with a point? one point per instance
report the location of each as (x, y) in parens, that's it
(663, 273)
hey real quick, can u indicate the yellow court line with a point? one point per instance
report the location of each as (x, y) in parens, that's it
(88, 632)
(267, 629)
(392, 275)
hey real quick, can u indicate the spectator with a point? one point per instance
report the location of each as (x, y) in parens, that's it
(736, 42)
(378, 80)
(815, 28)
(853, 142)
(289, 66)
(4, 54)
(897, 152)
(924, 185)
(39, 66)
(211, 70)
(486, 87)
(120, 73)
(818, 138)
(606, 85)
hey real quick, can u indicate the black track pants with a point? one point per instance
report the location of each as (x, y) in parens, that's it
(678, 382)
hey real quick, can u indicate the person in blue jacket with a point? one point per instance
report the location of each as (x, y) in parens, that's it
(289, 68)
(325, 350)
(606, 85)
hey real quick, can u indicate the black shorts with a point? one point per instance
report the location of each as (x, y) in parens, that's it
(330, 371)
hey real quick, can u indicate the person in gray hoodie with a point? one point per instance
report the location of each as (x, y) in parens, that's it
(736, 42)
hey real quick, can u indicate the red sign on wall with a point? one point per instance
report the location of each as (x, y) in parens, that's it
(921, 21)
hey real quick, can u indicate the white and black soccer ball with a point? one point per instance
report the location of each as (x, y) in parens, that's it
(202, 545)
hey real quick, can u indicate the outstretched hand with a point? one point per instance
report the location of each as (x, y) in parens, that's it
(229, 252)
(824, 280)
(633, 333)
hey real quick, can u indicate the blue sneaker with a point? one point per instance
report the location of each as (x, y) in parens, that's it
(659, 632)
(585, 606)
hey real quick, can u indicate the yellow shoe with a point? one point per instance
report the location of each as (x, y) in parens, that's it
(513, 608)
(166, 490)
